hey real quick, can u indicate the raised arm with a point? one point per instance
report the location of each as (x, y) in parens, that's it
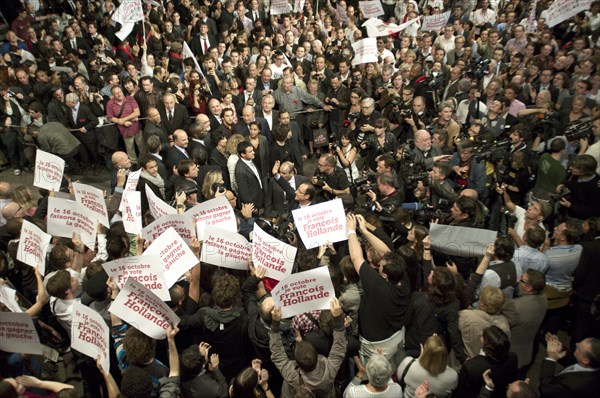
(356, 253)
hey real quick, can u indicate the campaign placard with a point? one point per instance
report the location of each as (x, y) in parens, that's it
(435, 22)
(371, 9)
(225, 249)
(132, 214)
(216, 212)
(130, 186)
(145, 269)
(269, 252)
(561, 10)
(49, 171)
(321, 223)
(365, 51)
(90, 335)
(460, 241)
(93, 199)
(181, 223)
(143, 310)
(8, 297)
(158, 207)
(176, 256)
(305, 291)
(376, 27)
(279, 7)
(33, 245)
(17, 334)
(66, 217)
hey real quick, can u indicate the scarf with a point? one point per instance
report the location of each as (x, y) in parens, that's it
(158, 181)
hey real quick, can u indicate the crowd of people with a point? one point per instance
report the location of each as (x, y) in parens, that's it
(492, 122)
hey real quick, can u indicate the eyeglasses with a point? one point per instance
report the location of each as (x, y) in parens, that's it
(524, 282)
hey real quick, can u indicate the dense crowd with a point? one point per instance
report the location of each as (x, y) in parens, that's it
(492, 122)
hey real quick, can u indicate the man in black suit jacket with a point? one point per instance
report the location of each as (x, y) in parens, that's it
(250, 184)
(81, 117)
(74, 43)
(281, 195)
(255, 13)
(248, 116)
(586, 284)
(201, 43)
(178, 151)
(250, 96)
(545, 83)
(214, 113)
(265, 83)
(154, 126)
(174, 116)
(203, 18)
(581, 379)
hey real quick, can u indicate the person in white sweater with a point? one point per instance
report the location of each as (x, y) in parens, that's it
(380, 385)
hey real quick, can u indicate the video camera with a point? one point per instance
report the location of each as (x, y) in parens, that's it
(579, 129)
(494, 152)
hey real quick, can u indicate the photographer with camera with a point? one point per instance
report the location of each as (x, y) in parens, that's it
(365, 124)
(358, 81)
(377, 144)
(594, 150)
(345, 151)
(329, 180)
(415, 118)
(338, 96)
(468, 172)
(388, 198)
(442, 190)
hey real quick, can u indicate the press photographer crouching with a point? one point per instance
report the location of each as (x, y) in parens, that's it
(329, 180)
(388, 198)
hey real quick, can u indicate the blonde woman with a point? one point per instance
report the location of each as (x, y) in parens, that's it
(211, 178)
(22, 204)
(431, 365)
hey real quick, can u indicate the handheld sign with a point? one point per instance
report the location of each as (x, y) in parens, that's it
(371, 9)
(143, 310)
(181, 223)
(435, 22)
(321, 223)
(305, 291)
(460, 241)
(177, 258)
(33, 246)
(147, 270)
(225, 249)
(66, 216)
(49, 171)
(17, 334)
(376, 27)
(93, 199)
(276, 256)
(216, 212)
(132, 214)
(279, 7)
(158, 207)
(130, 186)
(90, 335)
(8, 297)
(365, 51)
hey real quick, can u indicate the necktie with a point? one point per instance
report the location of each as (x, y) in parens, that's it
(255, 16)
(170, 116)
(74, 44)
(205, 45)
(249, 96)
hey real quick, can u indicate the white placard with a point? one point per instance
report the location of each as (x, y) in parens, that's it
(181, 223)
(305, 291)
(216, 212)
(66, 217)
(143, 310)
(8, 297)
(49, 171)
(93, 199)
(130, 186)
(132, 214)
(321, 223)
(269, 252)
(147, 270)
(18, 334)
(33, 245)
(376, 27)
(90, 334)
(371, 9)
(187, 53)
(460, 241)
(177, 258)
(299, 5)
(435, 22)
(561, 10)
(158, 207)
(225, 249)
(365, 51)
(279, 7)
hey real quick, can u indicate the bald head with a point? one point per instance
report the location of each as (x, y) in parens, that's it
(5, 190)
(470, 193)
(121, 160)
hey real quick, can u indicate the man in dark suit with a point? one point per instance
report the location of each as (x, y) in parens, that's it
(174, 116)
(581, 379)
(203, 18)
(81, 118)
(154, 148)
(255, 13)
(545, 84)
(201, 43)
(214, 113)
(154, 126)
(250, 183)
(248, 116)
(586, 284)
(281, 195)
(74, 43)
(265, 84)
(250, 96)
(178, 151)
(268, 113)
(227, 18)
